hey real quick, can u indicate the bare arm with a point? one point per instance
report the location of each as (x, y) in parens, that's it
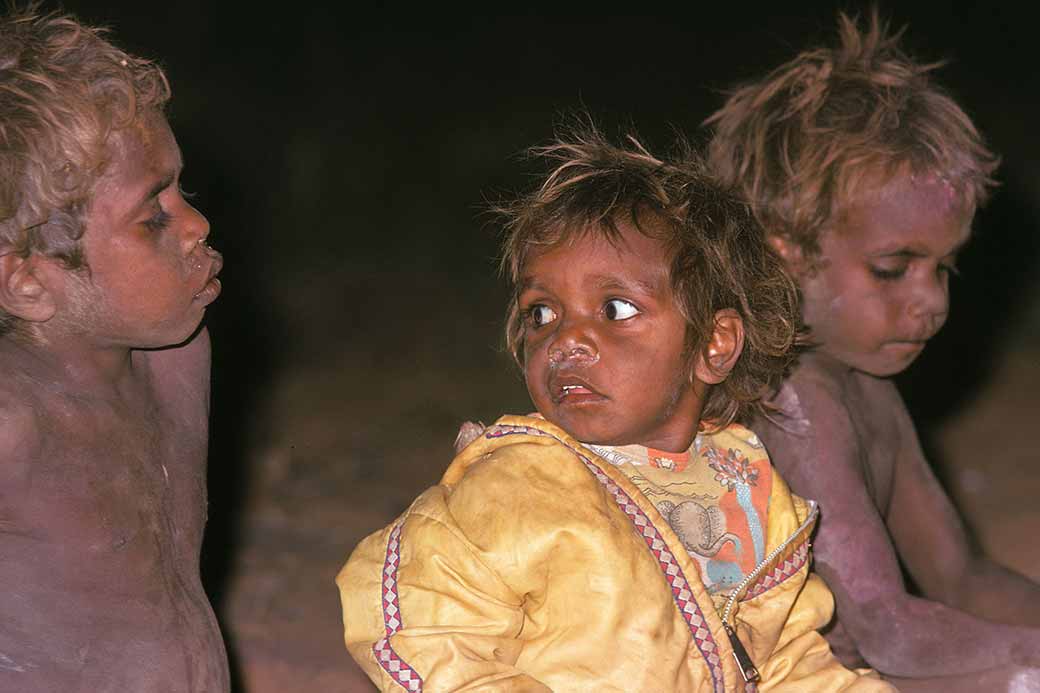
(897, 633)
(1011, 679)
(181, 376)
(931, 539)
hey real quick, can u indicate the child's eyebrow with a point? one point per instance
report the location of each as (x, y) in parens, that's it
(163, 183)
(155, 190)
(650, 286)
(914, 253)
(602, 281)
(527, 283)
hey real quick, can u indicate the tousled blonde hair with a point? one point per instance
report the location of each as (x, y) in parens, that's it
(64, 89)
(833, 124)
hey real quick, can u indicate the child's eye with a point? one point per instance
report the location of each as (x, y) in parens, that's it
(159, 221)
(888, 273)
(540, 314)
(619, 309)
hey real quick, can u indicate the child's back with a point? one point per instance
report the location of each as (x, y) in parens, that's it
(105, 276)
(866, 177)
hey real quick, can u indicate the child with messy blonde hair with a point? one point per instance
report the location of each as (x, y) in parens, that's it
(629, 536)
(865, 176)
(105, 276)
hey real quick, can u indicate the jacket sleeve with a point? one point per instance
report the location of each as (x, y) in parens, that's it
(425, 606)
(791, 654)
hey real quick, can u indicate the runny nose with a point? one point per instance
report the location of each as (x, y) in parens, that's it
(573, 346)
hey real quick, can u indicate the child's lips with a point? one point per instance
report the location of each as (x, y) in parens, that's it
(916, 338)
(211, 289)
(209, 292)
(573, 391)
(908, 345)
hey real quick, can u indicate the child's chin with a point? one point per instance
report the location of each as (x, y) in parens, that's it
(886, 368)
(594, 435)
(175, 338)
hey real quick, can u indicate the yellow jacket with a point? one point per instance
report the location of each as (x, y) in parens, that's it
(535, 565)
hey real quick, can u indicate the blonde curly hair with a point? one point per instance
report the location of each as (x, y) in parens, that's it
(64, 89)
(816, 132)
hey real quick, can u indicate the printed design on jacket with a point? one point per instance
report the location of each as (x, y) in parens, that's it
(403, 674)
(700, 528)
(682, 595)
(714, 496)
(735, 473)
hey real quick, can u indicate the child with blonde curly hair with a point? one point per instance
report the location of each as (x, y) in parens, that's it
(105, 276)
(630, 536)
(865, 176)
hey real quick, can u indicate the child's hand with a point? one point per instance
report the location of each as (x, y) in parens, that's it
(468, 432)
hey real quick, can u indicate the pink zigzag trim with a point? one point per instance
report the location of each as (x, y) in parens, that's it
(398, 669)
(787, 568)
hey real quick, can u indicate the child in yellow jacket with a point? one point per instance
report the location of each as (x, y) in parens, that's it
(630, 536)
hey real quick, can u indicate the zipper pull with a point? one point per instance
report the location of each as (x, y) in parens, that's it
(744, 663)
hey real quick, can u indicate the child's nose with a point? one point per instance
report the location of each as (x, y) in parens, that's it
(573, 344)
(931, 300)
(196, 229)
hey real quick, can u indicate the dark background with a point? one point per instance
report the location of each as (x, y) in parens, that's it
(345, 158)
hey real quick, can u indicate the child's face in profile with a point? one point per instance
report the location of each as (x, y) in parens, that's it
(604, 343)
(881, 290)
(151, 274)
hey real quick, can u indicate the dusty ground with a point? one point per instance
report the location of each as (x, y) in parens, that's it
(333, 470)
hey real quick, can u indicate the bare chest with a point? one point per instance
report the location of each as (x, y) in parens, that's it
(99, 541)
(112, 495)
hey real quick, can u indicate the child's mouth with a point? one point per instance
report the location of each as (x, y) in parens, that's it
(211, 289)
(574, 393)
(909, 345)
(209, 292)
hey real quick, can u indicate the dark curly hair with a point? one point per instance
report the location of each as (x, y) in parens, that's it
(720, 257)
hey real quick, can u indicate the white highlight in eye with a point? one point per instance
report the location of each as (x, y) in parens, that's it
(542, 314)
(620, 309)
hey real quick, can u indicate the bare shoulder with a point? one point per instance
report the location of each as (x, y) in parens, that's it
(824, 406)
(841, 421)
(813, 419)
(828, 392)
(21, 431)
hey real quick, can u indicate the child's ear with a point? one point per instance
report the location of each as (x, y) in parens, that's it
(790, 252)
(24, 286)
(720, 354)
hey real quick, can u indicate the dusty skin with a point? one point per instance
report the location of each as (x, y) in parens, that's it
(103, 431)
(845, 439)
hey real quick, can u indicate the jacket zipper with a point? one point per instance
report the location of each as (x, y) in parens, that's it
(740, 654)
